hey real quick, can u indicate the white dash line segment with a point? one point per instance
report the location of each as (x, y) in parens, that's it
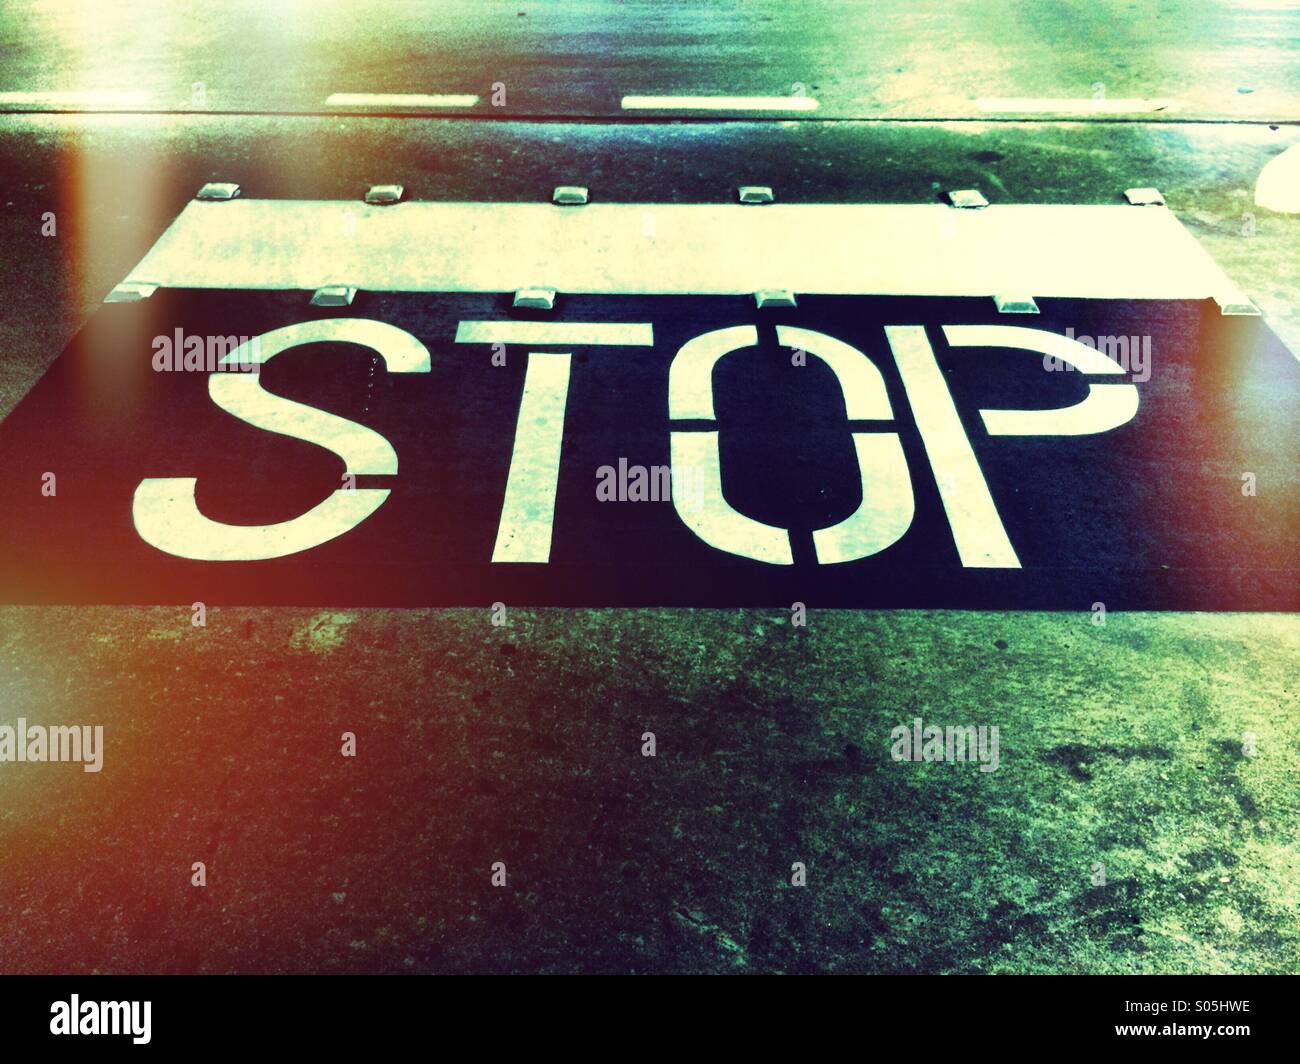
(399, 100)
(719, 103)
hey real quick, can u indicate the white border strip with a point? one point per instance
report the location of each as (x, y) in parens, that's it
(1101, 252)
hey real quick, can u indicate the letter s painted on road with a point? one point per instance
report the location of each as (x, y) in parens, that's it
(164, 509)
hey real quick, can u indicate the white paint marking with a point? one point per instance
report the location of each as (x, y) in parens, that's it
(1105, 407)
(167, 517)
(977, 530)
(719, 103)
(715, 521)
(528, 512)
(690, 374)
(1278, 185)
(887, 506)
(399, 99)
(569, 333)
(165, 509)
(1070, 351)
(362, 449)
(863, 388)
(1081, 106)
(698, 249)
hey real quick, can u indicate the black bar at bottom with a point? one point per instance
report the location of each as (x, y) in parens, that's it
(226, 1013)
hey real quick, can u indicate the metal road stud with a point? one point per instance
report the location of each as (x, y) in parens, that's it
(1015, 304)
(382, 195)
(570, 195)
(1144, 197)
(1236, 304)
(967, 198)
(334, 295)
(755, 194)
(774, 297)
(535, 299)
(131, 292)
(218, 190)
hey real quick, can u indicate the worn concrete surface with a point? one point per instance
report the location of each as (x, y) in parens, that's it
(1121, 747)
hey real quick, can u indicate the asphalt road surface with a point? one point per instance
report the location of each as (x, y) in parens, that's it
(856, 59)
(1143, 817)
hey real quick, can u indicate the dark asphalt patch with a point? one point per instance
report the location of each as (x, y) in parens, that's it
(1151, 514)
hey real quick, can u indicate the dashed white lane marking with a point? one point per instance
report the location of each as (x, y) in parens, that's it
(1278, 185)
(399, 99)
(77, 98)
(1081, 106)
(719, 103)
